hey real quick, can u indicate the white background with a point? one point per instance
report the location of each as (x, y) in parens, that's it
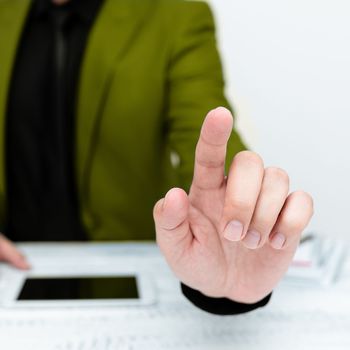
(287, 67)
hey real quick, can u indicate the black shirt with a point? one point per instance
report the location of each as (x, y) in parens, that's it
(42, 201)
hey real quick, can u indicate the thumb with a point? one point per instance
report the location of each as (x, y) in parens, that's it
(10, 254)
(171, 220)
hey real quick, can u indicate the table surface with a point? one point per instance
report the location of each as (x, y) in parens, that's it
(298, 316)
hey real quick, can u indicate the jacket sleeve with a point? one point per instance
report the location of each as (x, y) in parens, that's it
(196, 85)
(220, 306)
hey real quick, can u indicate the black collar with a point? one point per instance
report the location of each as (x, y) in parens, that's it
(85, 9)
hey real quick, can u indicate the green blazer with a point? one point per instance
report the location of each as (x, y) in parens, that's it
(150, 73)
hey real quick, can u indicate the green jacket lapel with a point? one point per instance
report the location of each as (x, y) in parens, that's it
(113, 30)
(12, 18)
(110, 36)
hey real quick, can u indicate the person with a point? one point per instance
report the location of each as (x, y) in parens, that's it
(101, 106)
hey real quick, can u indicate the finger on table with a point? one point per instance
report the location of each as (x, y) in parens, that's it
(10, 254)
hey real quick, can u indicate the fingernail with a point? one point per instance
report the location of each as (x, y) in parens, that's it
(278, 241)
(233, 231)
(252, 239)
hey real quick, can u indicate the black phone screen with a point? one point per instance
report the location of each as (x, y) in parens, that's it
(74, 288)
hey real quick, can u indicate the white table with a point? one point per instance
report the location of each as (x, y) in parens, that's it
(297, 317)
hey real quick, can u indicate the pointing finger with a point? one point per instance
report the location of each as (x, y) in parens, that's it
(209, 172)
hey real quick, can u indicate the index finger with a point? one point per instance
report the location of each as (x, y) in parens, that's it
(209, 167)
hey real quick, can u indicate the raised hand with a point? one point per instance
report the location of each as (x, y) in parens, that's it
(231, 236)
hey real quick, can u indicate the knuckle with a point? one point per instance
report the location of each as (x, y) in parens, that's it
(210, 156)
(298, 212)
(240, 204)
(293, 224)
(249, 157)
(262, 223)
(277, 174)
(211, 163)
(304, 198)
